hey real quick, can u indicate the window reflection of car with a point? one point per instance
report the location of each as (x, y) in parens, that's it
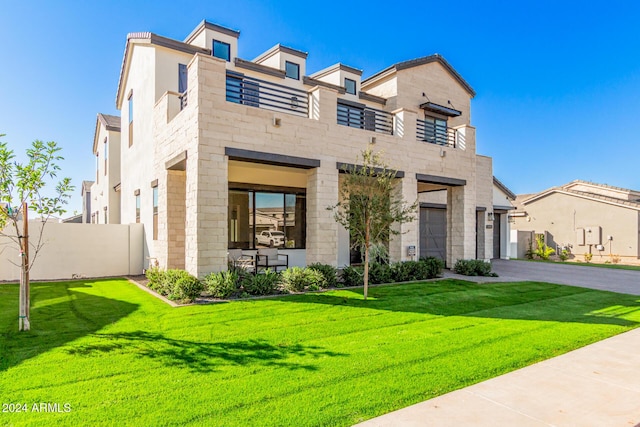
(270, 238)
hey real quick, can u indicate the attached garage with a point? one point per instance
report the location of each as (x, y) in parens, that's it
(433, 232)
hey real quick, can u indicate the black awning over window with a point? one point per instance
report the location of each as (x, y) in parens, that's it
(440, 109)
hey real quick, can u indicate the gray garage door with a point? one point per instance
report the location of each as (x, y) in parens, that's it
(433, 233)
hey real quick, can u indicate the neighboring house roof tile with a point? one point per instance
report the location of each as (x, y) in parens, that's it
(110, 122)
(504, 188)
(530, 198)
(421, 61)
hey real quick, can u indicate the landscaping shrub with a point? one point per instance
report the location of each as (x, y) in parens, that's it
(542, 251)
(186, 288)
(264, 283)
(425, 268)
(432, 266)
(380, 273)
(352, 276)
(329, 272)
(473, 267)
(223, 284)
(154, 275)
(296, 279)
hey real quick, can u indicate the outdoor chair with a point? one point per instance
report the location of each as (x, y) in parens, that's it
(271, 258)
(238, 259)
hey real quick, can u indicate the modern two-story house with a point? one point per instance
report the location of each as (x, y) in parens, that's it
(220, 152)
(105, 190)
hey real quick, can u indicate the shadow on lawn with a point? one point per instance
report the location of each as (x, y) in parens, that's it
(518, 301)
(77, 314)
(203, 356)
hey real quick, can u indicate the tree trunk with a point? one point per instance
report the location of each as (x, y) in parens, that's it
(23, 320)
(366, 259)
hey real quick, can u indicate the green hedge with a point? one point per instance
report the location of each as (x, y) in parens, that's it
(177, 285)
(473, 267)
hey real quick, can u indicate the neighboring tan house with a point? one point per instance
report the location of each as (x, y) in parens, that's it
(105, 190)
(217, 149)
(85, 191)
(585, 217)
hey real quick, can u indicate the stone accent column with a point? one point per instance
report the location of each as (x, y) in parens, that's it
(407, 189)
(324, 105)
(322, 230)
(404, 123)
(173, 211)
(461, 242)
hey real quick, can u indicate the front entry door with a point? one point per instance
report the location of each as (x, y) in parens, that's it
(496, 235)
(433, 233)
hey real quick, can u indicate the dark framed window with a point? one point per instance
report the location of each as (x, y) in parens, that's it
(350, 86)
(106, 155)
(155, 213)
(435, 130)
(222, 50)
(138, 207)
(97, 168)
(292, 70)
(267, 217)
(106, 220)
(131, 119)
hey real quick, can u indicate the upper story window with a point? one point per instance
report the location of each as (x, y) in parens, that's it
(105, 150)
(137, 194)
(435, 130)
(182, 78)
(97, 168)
(131, 119)
(222, 50)
(350, 86)
(292, 70)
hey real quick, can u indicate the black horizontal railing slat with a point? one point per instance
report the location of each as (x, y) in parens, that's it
(263, 94)
(435, 133)
(365, 118)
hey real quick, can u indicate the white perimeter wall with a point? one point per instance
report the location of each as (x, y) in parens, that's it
(84, 250)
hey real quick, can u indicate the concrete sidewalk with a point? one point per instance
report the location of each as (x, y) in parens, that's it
(597, 385)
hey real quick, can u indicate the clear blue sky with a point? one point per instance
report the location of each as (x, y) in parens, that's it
(558, 83)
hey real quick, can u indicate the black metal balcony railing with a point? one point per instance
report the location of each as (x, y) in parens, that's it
(436, 133)
(254, 92)
(364, 118)
(183, 100)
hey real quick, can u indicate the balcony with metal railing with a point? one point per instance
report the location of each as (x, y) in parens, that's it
(363, 117)
(242, 89)
(439, 134)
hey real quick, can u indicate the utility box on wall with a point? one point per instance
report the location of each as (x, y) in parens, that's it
(580, 236)
(593, 235)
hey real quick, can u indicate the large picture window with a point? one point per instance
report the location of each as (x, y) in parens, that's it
(267, 218)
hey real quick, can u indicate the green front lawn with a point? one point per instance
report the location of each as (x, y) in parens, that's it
(118, 356)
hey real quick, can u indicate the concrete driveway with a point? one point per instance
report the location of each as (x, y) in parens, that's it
(607, 279)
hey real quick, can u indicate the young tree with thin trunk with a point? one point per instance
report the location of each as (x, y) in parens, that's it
(22, 187)
(369, 206)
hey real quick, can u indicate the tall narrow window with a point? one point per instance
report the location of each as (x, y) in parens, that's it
(155, 213)
(106, 220)
(182, 84)
(222, 50)
(131, 119)
(292, 70)
(105, 151)
(350, 86)
(137, 206)
(97, 168)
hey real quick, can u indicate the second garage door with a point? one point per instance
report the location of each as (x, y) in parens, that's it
(433, 232)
